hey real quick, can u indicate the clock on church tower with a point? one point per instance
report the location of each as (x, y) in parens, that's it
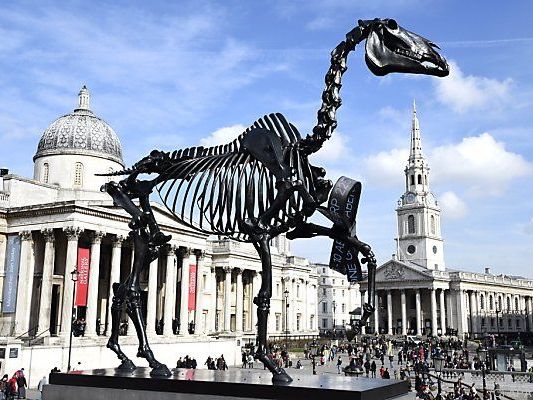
(419, 234)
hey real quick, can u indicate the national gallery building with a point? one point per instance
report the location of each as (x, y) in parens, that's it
(197, 298)
(418, 294)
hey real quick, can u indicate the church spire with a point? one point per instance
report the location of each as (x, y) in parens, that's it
(415, 152)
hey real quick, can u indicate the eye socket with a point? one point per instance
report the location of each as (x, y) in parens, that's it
(392, 24)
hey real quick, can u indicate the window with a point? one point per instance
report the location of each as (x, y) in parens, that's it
(412, 179)
(324, 323)
(482, 302)
(323, 270)
(343, 293)
(483, 322)
(324, 307)
(411, 249)
(277, 289)
(516, 303)
(298, 321)
(419, 179)
(324, 280)
(297, 291)
(499, 303)
(278, 321)
(491, 302)
(333, 281)
(411, 224)
(432, 221)
(324, 291)
(311, 321)
(508, 304)
(343, 307)
(78, 174)
(492, 322)
(342, 282)
(46, 172)
(333, 292)
(204, 281)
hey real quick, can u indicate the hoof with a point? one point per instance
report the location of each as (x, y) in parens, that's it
(281, 377)
(127, 365)
(160, 370)
(160, 238)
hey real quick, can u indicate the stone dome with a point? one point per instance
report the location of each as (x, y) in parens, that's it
(80, 132)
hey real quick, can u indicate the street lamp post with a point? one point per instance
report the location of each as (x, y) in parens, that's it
(334, 305)
(438, 363)
(286, 293)
(74, 277)
(482, 355)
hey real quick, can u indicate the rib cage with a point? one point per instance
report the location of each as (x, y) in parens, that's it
(215, 189)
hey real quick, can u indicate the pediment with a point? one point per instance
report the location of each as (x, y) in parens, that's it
(394, 270)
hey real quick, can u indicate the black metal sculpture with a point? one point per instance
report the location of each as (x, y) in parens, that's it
(261, 185)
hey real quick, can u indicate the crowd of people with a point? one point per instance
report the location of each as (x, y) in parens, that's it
(14, 387)
(216, 363)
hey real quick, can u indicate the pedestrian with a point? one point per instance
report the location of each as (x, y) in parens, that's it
(244, 358)
(42, 382)
(11, 391)
(21, 384)
(386, 374)
(339, 363)
(250, 361)
(3, 387)
(367, 367)
(373, 368)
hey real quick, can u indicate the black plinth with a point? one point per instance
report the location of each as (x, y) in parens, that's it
(231, 384)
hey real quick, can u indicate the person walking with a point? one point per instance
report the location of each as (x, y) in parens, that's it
(40, 385)
(21, 384)
(373, 368)
(339, 363)
(367, 367)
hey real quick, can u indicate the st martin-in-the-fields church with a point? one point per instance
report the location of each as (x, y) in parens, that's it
(418, 295)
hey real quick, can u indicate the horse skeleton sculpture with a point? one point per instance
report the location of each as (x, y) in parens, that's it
(261, 185)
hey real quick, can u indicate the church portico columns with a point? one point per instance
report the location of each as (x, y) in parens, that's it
(376, 313)
(73, 235)
(94, 283)
(473, 312)
(199, 309)
(25, 286)
(170, 291)
(227, 297)
(239, 299)
(442, 312)
(46, 284)
(114, 275)
(389, 312)
(418, 313)
(434, 312)
(404, 312)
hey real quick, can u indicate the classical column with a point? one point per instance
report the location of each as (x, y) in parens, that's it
(170, 291)
(239, 300)
(151, 306)
(227, 299)
(94, 282)
(404, 313)
(473, 312)
(418, 313)
(73, 235)
(376, 314)
(199, 310)
(114, 275)
(433, 311)
(442, 313)
(214, 294)
(530, 313)
(25, 283)
(305, 316)
(389, 312)
(256, 284)
(184, 295)
(46, 284)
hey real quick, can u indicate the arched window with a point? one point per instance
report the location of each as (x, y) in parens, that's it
(411, 224)
(419, 179)
(516, 303)
(499, 305)
(482, 302)
(508, 304)
(78, 174)
(491, 302)
(412, 179)
(46, 172)
(432, 223)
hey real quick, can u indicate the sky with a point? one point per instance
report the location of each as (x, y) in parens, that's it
(171, 74)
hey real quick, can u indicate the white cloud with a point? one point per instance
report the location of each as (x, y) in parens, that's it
(452, 205)
(333, 151)
(463, 93)
(223, 135)
(481, 164)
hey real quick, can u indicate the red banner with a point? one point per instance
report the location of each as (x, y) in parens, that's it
(192, 287)
(84, 257)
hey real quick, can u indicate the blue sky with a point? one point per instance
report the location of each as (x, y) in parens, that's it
(171, 74)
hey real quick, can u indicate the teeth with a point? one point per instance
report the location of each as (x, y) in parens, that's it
(408, 53)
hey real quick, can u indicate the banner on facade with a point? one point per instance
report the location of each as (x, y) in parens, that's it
(192, 287)
(82, 284)
(12, 266)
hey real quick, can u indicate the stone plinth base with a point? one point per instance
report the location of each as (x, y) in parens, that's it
(113, 384)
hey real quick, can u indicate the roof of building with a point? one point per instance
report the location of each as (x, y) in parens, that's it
(80, 132)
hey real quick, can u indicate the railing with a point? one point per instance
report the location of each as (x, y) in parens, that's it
(4, 198)
(29, 333)
(36, 337)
